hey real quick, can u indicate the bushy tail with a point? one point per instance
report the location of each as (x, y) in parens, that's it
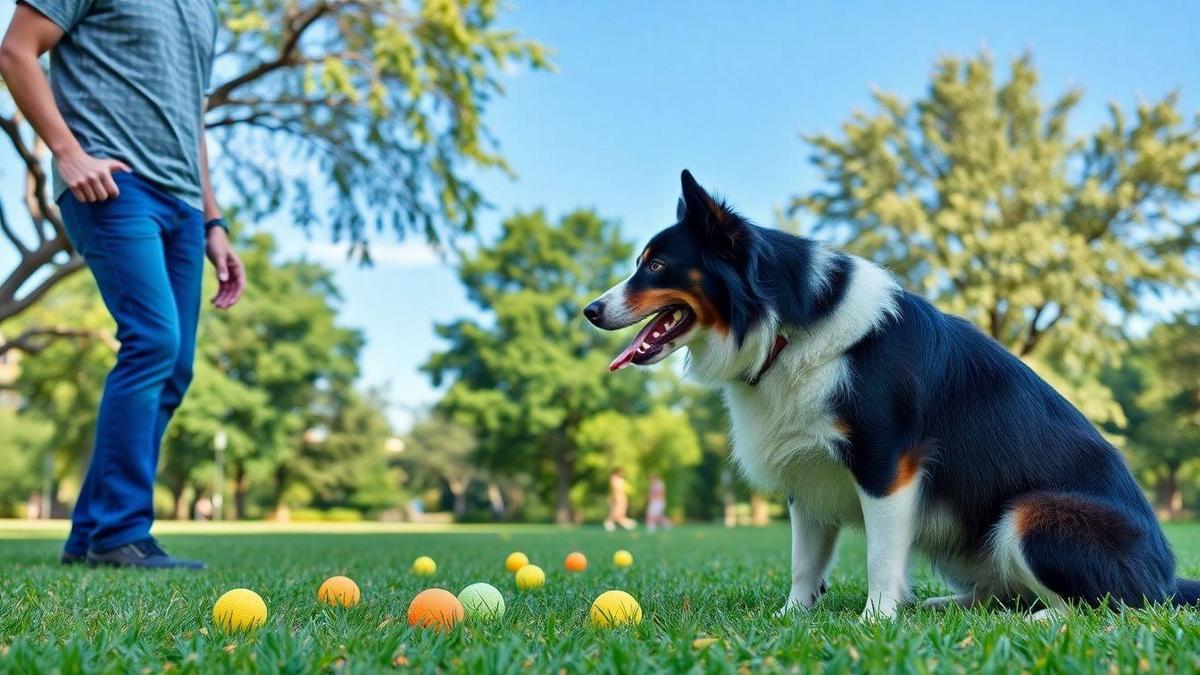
(1187, 592)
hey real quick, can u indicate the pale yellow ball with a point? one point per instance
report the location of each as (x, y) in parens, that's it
(622, 558)
(530, 577)
(239, 609)
(615, 608)
(424, 566)
(515, 561)
(339, 591)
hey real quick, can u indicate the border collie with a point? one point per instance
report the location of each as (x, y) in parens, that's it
(870, 408)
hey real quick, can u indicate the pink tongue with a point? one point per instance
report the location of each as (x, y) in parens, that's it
(626, 357)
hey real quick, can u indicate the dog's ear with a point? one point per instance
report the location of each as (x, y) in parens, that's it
(717, 226)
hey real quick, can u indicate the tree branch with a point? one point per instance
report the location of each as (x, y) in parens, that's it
(34, 340)
(293, 31)
(10, 304)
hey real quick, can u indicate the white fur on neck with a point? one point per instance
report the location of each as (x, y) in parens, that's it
(785, 432)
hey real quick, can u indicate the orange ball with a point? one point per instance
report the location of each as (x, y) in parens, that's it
(339, 591)
(435, 608)
(576, 562)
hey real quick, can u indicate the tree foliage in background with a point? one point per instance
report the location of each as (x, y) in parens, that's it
(440, 452)
(282, 346)
(980, 197)
(276, 366)
(529, 373)
(61, 380)
(661, 442)
(1158, 387)
(372, 109)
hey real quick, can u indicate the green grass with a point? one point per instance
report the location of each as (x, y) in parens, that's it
(692, 582)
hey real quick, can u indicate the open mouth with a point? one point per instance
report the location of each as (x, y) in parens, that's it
(656, 336)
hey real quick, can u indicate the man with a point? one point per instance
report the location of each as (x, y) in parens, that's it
(122, 115)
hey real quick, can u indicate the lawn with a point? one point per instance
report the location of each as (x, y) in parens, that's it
(692, 582)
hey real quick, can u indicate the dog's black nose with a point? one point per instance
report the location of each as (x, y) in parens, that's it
(593, 311)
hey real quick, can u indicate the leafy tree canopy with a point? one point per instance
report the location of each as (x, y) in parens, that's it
(979, 196)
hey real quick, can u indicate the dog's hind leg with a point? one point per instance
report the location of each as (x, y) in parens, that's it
(812, 552)
(1074, 549)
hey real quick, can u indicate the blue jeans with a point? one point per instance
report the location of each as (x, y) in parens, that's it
(145, 249)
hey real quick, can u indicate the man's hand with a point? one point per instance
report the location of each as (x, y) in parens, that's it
(230, 273)
(89, 179)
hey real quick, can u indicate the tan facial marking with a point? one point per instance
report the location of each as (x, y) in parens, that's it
(645, 302)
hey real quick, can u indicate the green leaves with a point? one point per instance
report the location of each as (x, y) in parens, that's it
(382, 102)
(531, 376)
(979, 198)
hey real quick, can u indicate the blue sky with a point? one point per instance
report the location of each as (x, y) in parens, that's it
(725, 89)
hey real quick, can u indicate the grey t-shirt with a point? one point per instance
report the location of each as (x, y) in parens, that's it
(130, 77)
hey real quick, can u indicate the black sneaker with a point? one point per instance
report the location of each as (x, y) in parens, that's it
(145, 554)
(69, 558)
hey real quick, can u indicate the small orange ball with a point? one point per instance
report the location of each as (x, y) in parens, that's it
(435, 608)
(339, 591)
(576, 562)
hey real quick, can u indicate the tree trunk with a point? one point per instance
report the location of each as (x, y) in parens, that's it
(562, 488)
(759, 514)
(496, 500)
(240, 488)
(1167, 495)
(182, 503)
(458, 490)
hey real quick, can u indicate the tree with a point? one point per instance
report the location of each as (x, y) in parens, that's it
(22, 442)
(282, 363)
(438, 450)
(529, 373)
(661, 442)
(61, 380)
(1158, 387)
(978, 196)
(381, 101)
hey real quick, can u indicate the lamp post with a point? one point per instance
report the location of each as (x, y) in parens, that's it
(218, 490)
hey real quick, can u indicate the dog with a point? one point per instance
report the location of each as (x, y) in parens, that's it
(870, 408)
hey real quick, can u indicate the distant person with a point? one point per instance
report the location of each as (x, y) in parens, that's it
(122, 114)
(618, 502)
(656, 506)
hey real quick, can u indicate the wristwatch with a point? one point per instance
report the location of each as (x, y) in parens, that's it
(216, 222)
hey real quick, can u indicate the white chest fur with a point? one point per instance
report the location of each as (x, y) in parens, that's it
(785, 438)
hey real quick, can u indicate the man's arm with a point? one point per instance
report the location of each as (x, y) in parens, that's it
(231, 275)
(29, 36)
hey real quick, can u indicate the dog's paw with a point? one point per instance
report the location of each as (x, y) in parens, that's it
(965, 600)
(878, 612)
(802, 599)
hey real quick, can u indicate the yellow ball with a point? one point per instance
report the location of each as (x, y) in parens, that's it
(530, 577)
(424, 566)
(622, 558)
(515, 561)
(339, 591)
(615, 608)
(239, 609)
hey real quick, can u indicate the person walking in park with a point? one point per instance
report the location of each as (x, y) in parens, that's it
(618, 502)
(122, 114)
(656, 505)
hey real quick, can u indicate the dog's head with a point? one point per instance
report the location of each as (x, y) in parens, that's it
(692, 278)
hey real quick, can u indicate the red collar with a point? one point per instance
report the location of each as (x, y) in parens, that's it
(780, 343)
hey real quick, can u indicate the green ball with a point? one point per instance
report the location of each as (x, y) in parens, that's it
(482, 601)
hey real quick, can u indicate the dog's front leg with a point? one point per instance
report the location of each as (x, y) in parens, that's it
(890, 522)
(812, 551)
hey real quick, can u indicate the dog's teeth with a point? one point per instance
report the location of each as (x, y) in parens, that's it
(678, 315)
(645, 345)
(657, 334)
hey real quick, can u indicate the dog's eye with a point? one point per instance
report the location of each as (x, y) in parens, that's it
(656, 266)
